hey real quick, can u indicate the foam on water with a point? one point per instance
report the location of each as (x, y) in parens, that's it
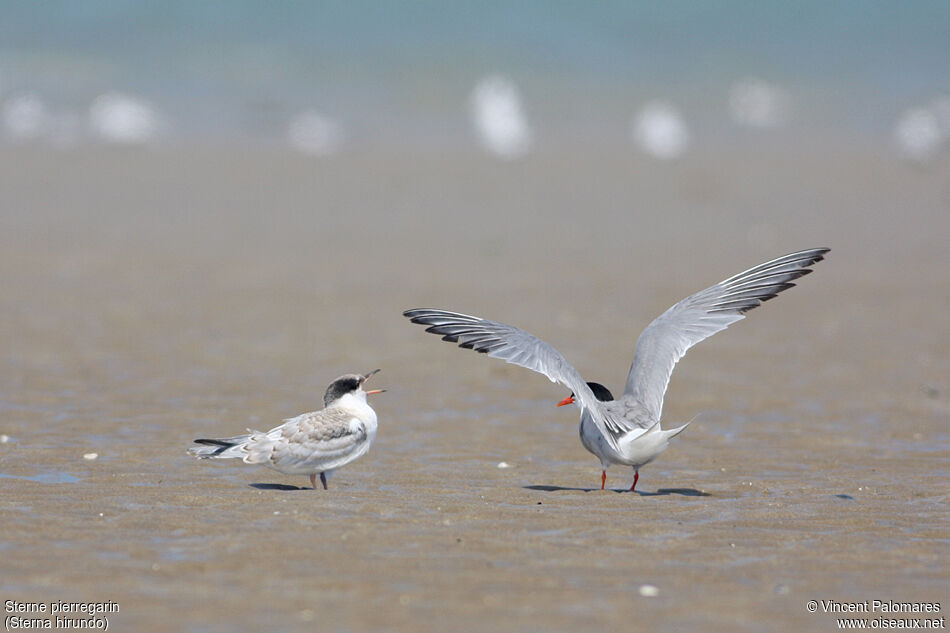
(921, 133)
(24, 117)
(757, 103)
(314, 133)
(409, 71)
(499, 118)
(119, 118)
(659, 130)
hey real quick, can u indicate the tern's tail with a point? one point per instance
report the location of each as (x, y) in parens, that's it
(674, 432)
(220, 449)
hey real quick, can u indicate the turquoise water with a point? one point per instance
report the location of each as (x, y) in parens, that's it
(240, 69)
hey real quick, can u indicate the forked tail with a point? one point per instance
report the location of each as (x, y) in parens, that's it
(219, 449)
(674, 432)
(670, 434)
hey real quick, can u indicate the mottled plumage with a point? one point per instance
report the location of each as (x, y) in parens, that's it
(311, 443)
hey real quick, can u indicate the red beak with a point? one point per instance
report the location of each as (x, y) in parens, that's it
(567, 400)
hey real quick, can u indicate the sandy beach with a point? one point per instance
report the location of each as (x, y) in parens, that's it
(155, 295)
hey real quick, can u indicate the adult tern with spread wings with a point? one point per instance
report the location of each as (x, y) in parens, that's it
(627, 430)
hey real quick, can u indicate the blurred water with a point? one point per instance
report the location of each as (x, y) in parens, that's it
(45, 478)
(406, 70)
(151, 297)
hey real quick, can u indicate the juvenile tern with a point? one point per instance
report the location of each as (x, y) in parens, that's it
(312, 443)
(627, 430)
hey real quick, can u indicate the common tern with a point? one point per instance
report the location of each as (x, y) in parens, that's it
(627, 430)
(312, 443)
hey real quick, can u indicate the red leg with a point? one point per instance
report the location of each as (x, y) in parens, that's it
(636, 477)
(313, 481)
(603, 479)
(323, 480)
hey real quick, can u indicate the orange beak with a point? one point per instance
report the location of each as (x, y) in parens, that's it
(367, 377)
(567, 400)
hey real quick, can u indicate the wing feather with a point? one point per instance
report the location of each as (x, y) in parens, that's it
(518, 347)
(701, 315)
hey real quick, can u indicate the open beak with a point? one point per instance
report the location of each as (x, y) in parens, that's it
(367, 377)
(567, 400)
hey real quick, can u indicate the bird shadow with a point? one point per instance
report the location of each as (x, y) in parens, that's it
(662, 492)
(279, 487)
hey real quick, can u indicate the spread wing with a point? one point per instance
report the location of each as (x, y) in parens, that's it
(701, 315)
(516, 346)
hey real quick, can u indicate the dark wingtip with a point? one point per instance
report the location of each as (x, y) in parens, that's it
(818, 254)
(221, 444)
(413, 315)
(208, 442)
(417, 313)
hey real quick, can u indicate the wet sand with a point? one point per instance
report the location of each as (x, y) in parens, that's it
(157, 295)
